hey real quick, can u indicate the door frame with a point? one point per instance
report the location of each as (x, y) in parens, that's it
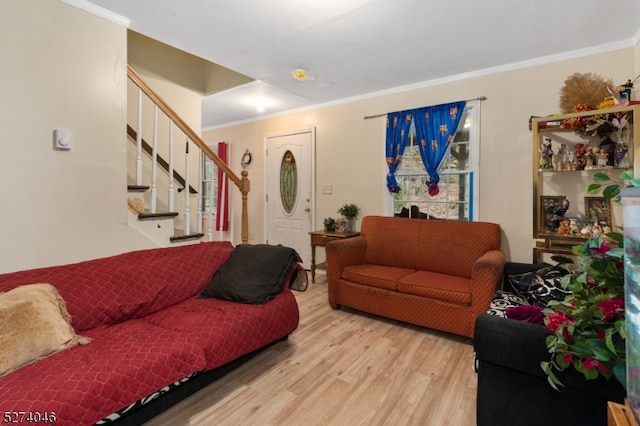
(312, 131)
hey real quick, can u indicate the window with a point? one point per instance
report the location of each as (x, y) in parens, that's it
(209, 184)
(458, 175)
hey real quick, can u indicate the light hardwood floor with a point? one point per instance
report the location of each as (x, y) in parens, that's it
(342, 368)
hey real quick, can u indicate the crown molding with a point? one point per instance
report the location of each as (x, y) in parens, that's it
(99, 11)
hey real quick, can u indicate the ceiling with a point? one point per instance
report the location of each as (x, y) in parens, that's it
(358, 48)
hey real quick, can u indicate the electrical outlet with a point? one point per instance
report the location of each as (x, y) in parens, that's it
(327, 189)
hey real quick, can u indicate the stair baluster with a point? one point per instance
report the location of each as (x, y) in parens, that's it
(199, 211)
(154, 163)
(187, 214)
(139, 141)
(171, 181)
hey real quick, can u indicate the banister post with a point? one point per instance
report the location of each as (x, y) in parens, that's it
(246, 185)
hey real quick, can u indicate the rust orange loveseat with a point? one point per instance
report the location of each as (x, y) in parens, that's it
(438, 274)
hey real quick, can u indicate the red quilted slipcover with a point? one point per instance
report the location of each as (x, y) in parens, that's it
(147, 328)
(129, 285)
(83, 384)
(227, 330)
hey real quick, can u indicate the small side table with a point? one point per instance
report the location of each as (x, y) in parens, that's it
(321, 238)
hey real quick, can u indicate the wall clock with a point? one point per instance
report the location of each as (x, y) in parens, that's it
(246, 159)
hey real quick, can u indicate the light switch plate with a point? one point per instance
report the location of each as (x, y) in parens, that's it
(327, 189)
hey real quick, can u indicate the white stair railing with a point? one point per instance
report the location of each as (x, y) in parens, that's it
(166, 148)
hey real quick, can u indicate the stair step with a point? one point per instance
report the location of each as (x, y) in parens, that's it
(181, 236)
(148, 215)
(137, 188)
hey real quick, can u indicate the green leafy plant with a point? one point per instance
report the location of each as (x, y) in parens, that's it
(329, 224)
(588, 326)
(349, 211)
(611, 188)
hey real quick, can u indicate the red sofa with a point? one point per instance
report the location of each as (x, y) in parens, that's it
(439, 274)
(148, 333)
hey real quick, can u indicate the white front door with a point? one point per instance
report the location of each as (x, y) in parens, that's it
(289, 181)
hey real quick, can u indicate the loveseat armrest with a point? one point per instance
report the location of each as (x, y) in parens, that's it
(345, 252)
(486, 277)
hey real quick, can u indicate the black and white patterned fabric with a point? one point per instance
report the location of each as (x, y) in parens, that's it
(144, 401)
(503, 300)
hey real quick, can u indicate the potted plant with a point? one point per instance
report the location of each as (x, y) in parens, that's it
(589, 325)
(350, 213)
(329, 224)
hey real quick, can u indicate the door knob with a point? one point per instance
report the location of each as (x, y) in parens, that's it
(307, 209)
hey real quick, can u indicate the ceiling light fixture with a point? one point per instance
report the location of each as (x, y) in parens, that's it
(299, 74)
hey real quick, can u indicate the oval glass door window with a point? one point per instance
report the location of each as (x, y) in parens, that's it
(288, 181)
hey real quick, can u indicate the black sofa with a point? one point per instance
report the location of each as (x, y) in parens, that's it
(513, 389)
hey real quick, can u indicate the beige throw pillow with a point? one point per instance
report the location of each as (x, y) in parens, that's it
(34, 323)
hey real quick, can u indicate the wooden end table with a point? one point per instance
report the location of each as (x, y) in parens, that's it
(321, 238)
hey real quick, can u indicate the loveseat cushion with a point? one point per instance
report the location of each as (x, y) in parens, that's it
(385, 277)
(391, 241)
(130, 285)
(122, 364)
(227, 330)
(446, 288)
(452, 247)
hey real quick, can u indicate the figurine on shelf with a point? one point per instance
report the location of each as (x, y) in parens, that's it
(609, 146)
(563, 156)
(564, 228)
(603, 160)
(558, 212)
(546, 155)
(587, 230)
(574, 229)
(590, 158)
(571, 161)
(596, 230)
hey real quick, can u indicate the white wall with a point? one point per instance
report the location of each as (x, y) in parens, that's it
(61, 67)
(350, 150)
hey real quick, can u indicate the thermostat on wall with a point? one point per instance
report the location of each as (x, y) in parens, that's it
(62, 139)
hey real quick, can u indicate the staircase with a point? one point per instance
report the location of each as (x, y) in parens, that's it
(161, 203)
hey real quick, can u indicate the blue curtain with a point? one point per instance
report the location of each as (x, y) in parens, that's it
(435, 129)
(398, 124)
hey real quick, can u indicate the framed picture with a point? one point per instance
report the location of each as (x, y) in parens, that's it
(547, 203)
(597, 210)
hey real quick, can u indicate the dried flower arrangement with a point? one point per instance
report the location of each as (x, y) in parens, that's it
(582, 92)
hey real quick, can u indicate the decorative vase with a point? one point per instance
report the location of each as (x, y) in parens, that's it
(621, 156)
(349, 225)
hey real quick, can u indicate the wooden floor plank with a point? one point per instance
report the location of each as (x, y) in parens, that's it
(342, 368)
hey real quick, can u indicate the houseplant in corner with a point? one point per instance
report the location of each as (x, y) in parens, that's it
(588, 326)
(350, 213)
